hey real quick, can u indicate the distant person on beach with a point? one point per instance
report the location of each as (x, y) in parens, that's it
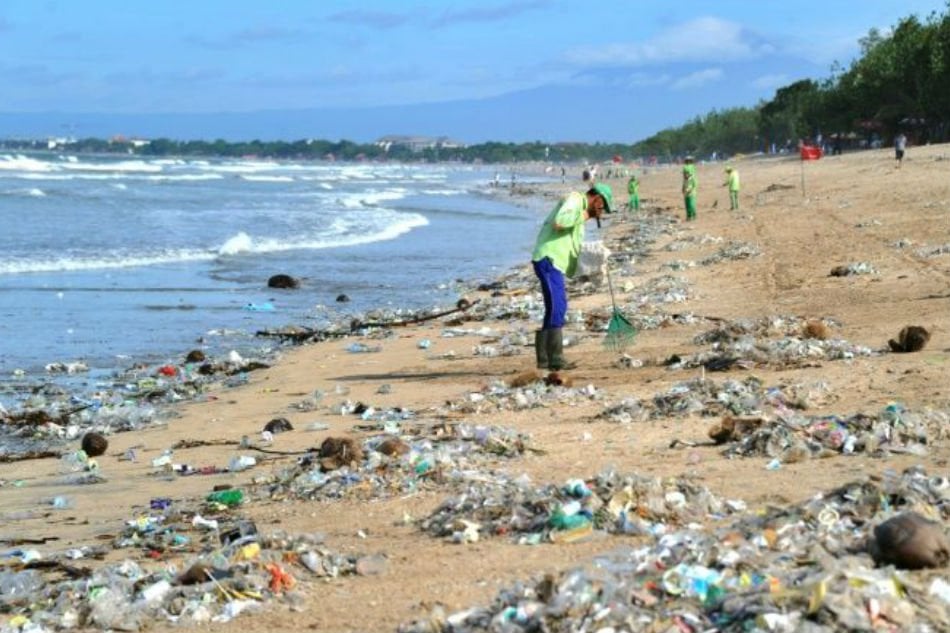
(633, 190)
(689, 188)
(836, 147)
(900, 144)
(732, 181)
(589, 176)
(555, 255)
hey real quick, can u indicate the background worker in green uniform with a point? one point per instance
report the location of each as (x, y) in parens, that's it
(555, 255)
(633, 188)
(689, 188)
(732, 181)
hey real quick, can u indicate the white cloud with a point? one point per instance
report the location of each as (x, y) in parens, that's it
(701, 39)
(697, 79)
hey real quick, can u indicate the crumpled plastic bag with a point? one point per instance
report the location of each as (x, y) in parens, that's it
(592, 262)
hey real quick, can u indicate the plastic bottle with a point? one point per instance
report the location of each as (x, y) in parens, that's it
(241, 462)
(568, 517)
(60, 502)
(230, 498)
(576, 488)
(73, 462)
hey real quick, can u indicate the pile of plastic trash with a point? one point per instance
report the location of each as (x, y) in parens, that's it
(804, 567)
(732, 251)
(609, 503)
(693, 397)
(791, 436)
(54, 592)
(390, 465)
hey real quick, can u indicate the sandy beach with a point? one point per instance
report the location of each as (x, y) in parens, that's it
(855, 208)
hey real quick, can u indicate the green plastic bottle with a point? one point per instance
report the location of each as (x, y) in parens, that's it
(229, 498)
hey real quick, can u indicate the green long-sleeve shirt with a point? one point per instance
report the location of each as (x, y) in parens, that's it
(562, 234)
(733, 180)
(689, 180)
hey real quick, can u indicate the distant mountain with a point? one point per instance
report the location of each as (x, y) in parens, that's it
(548, 114)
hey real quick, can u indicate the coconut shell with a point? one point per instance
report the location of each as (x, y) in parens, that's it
(94, 444)
(278, 425)
(393, 447)
(909, 541)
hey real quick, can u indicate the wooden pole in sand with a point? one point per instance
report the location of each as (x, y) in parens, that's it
(803, 176)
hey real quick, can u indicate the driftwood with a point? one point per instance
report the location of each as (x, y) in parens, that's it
(40, 417)
(463, 305)
(13, 542)
(51, 565)
(302, 334)
(198, 443)
(22, 457)
(181, 444)
(306, 335)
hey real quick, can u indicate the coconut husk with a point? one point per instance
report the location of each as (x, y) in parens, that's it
(337, 452)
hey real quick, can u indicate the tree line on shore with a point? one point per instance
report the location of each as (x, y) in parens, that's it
(899, 82)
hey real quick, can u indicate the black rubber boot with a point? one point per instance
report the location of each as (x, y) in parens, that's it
(556, 360)
(541, 348)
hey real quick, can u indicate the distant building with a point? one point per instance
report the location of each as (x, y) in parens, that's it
(417, 143)
(53, 143)
(134, 142)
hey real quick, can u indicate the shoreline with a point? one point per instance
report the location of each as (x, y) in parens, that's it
(71, 377)
(789, 276)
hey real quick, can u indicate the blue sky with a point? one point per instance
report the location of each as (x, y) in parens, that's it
(536, 69)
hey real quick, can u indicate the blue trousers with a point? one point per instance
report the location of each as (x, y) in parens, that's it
(555, 294)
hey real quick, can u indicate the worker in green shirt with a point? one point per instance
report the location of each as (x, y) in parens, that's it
(555, 255)
(633, 188)
(732, 181)
(689, 188)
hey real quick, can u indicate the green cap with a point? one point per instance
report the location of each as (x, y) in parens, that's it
(604, 191)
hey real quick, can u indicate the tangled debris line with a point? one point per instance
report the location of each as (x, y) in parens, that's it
(687, 241)
(498, 396)
(219, 581)
(801, 343)
(693, 397)
(933, 251)
(792, 437)
(610, 502)
(733, 251)
(385, 465)
(659, 290)
(855, 268)
(766, 327)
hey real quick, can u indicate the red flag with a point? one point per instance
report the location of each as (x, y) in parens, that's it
(811, 152)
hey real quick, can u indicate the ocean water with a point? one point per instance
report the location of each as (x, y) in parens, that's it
(114, 261)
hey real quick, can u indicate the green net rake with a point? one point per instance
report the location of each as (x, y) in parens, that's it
(620, 331)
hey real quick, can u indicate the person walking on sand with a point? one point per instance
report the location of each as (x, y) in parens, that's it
(732, 181)
(555, 255)
(689, 188)
(633, 189)
(900, 144)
